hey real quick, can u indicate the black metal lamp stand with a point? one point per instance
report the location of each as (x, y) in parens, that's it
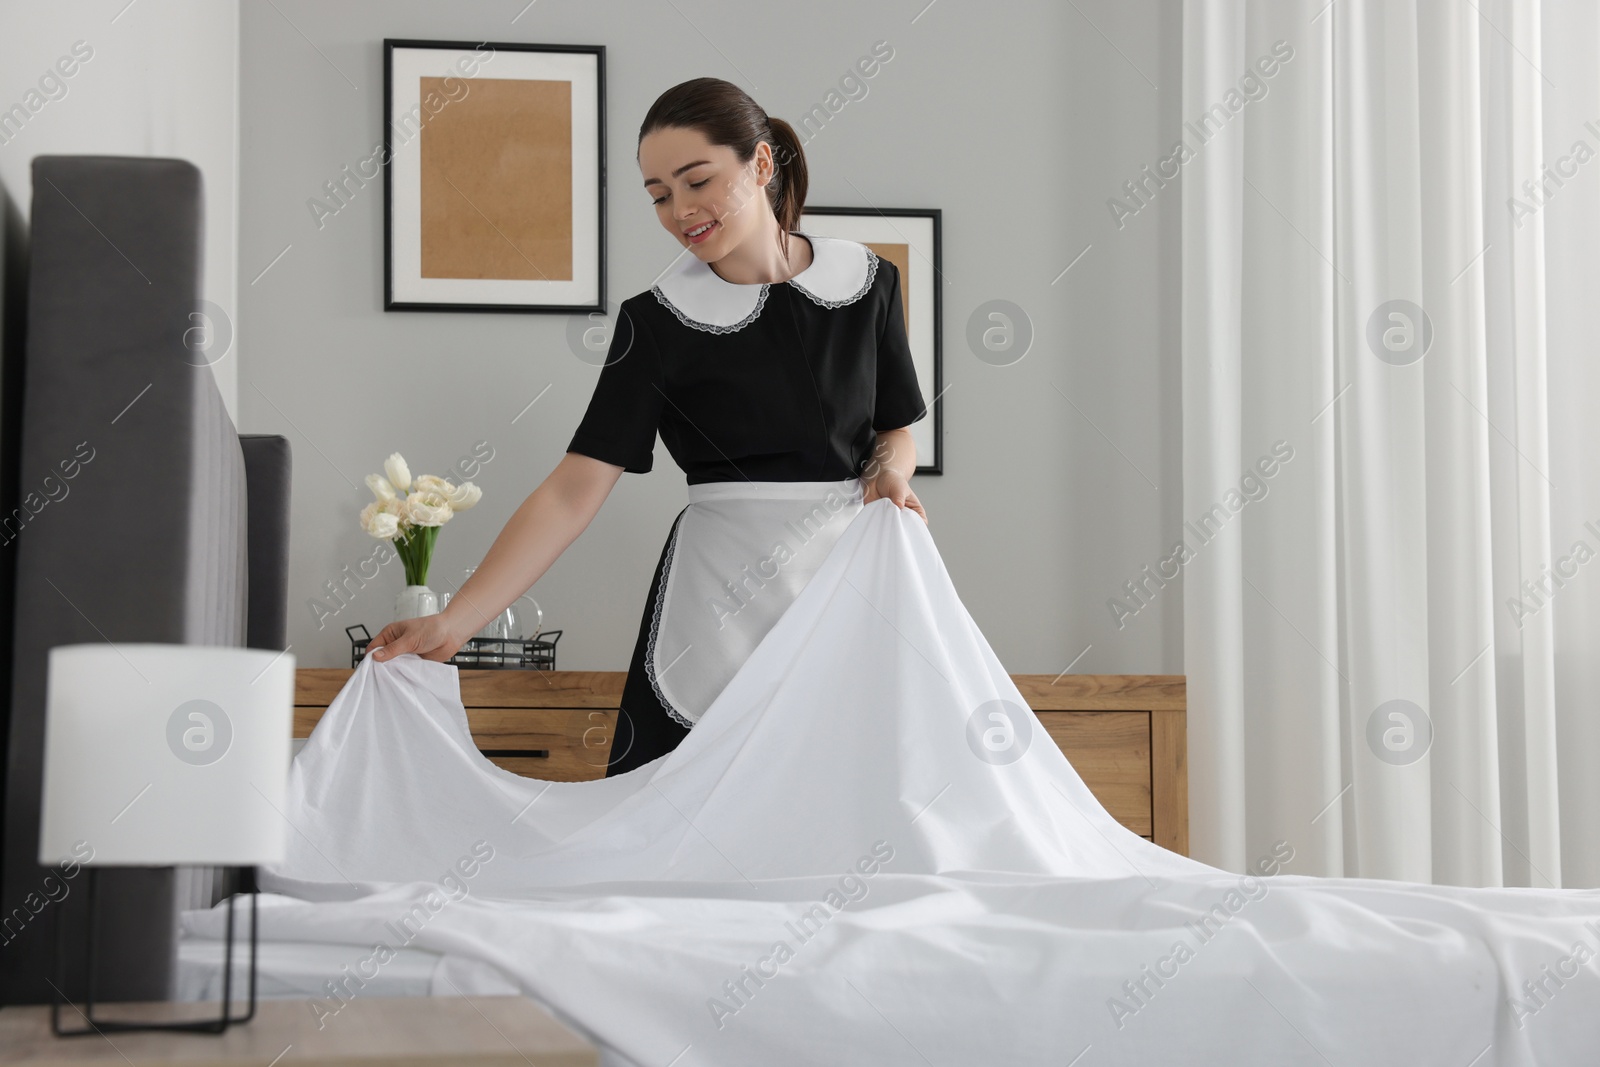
(247, 883)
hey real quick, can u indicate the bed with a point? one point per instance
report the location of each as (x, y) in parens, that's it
(866, 851)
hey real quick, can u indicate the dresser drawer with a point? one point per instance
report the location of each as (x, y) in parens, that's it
(1110, 750)
(555, 744)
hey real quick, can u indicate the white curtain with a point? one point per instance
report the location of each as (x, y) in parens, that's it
(1389, 457)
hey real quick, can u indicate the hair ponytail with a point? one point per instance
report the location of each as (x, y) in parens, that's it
(789, 197)
(726, 115)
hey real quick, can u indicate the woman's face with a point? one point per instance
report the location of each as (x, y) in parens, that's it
(693, 182)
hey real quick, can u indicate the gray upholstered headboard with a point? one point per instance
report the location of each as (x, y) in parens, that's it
(140, 514)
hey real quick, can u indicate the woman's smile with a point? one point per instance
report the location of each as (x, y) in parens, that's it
(705, 230)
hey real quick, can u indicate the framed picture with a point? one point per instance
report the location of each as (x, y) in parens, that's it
(494, 177)
(909, 238)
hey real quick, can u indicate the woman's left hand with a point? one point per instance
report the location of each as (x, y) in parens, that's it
(894, 486)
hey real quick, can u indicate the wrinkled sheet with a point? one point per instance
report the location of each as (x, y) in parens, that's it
(860, 855)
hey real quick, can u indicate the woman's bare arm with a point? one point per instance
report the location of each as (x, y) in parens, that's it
(894, 461)
(541, 528)
(894, 450)
(533, 538)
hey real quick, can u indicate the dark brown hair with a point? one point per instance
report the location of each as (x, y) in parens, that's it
(728, 116)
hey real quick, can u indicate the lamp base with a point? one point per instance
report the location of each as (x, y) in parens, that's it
(103, 1026)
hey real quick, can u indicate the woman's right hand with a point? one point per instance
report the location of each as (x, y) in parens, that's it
(429, 636)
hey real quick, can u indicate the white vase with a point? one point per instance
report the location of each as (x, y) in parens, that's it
(415, 601)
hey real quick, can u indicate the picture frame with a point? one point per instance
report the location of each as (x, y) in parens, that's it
(909, 238)
(502, 206)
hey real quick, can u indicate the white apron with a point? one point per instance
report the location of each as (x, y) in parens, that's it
(736, 559)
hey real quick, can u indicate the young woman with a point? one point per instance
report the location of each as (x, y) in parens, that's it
(774, 365)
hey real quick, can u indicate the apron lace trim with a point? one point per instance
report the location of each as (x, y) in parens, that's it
(655, 627)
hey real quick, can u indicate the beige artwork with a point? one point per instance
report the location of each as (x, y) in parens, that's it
(496, 171)
(900, 256)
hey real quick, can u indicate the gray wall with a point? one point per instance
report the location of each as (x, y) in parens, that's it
(1020, 121)
(159, 80)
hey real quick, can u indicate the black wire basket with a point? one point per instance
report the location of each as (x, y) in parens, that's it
(482, 653)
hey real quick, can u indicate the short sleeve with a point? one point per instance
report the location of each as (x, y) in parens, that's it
(624, 411)
(899, 400)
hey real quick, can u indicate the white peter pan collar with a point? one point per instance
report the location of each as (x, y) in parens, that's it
(840, 273)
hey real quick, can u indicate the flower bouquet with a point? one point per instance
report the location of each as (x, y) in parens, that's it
(409, 513)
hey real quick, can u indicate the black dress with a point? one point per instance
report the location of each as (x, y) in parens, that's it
(762, 389)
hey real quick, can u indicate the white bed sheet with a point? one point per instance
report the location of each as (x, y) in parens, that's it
(311, 969)
(970, 902)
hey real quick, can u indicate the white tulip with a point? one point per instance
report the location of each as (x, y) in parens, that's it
(427, 509)
(381, 489)
(464, 496)
(431, 483)
(399, 474)
(381, 519)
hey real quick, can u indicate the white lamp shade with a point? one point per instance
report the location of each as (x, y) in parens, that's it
(158, 755)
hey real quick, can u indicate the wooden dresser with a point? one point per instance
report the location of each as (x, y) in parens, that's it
(1125, 733)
